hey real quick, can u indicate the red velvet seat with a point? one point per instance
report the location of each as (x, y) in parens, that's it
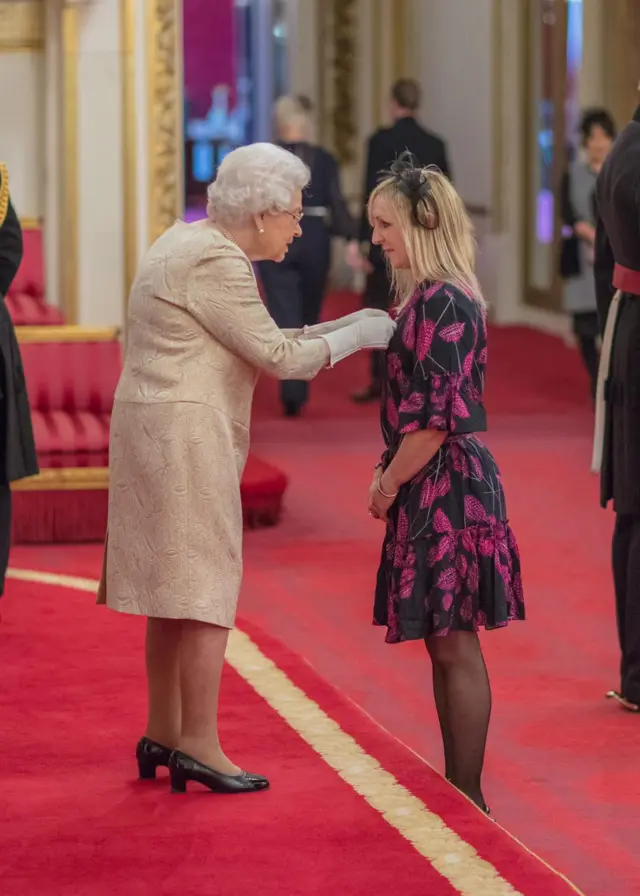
(26, 301)
(71, 377)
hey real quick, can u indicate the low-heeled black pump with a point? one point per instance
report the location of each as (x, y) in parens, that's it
(183, 768)
(150, 756)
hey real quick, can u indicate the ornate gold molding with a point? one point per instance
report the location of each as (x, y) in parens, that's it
(345, 129)
(164, 114)
(497, 212)
(21, 26)
(61, 479)
(69, 217)
(129, 143)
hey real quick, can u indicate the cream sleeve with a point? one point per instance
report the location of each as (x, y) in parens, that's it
(222, 295)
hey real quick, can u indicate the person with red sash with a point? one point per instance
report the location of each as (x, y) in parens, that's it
(616, 453)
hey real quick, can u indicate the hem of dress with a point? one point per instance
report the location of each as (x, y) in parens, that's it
(181, 618)
(399, 638)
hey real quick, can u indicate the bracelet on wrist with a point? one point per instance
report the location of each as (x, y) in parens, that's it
(384, 494)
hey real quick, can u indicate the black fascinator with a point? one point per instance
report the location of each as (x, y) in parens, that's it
(413, 182)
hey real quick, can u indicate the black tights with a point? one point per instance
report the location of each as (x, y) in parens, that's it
(463, 702)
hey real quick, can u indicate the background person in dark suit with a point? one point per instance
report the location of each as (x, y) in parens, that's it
(617, 436)
(17, 448)
(382, 150)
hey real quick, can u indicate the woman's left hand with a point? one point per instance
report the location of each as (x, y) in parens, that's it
(378, 504)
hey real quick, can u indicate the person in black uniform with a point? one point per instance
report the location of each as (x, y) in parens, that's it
(17, 448)
(294, 288)
(382, 150)
(617, 434)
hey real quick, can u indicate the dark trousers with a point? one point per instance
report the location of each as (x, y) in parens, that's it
(294, 291)
(626, 577)
(585, 327)
(378, 294)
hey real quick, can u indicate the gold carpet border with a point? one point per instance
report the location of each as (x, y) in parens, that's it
(455, 859)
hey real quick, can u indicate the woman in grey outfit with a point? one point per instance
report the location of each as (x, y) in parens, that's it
(579, 214)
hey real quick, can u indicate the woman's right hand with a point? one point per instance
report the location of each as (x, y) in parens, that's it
(368, 332)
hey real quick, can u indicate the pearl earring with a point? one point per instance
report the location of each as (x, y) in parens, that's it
(261, 230)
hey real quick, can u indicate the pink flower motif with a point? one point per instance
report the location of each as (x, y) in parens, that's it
(460, 409)
(482, 356)
(487, 546)
(462, 565)
(431, 291)
(474, 510)
(407, 580)
(442, 523)
(477, 468)
(473, 577)
(459, 460)
(402, 530)
(447, 601)
(452, 333)
(467, 364)
(467, 541)
(412, 426)
(425, 338)
(466, 610)
(435, 488)
(448, 580)
(393, 365)
(413, 404)
(409, 330)
(437, 422)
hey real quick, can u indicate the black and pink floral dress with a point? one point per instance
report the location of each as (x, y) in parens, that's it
(450, 560)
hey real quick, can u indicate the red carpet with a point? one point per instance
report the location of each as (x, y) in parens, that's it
(562, 763)
(75, 820)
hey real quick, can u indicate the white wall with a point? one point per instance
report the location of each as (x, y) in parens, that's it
(22, 144)
(100, 199)
(455, 70)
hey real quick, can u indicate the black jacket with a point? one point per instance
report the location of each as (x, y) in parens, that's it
(383, 149)
(618, 241)
(17, 447)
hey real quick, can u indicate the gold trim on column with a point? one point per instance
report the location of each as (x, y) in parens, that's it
(376, 56)
(497, 213)
(164, 113)
(21, 26)
(69, 221)
(129, 145)
(401, 62)
(321, 70)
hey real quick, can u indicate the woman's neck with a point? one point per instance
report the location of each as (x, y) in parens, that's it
(245, 237)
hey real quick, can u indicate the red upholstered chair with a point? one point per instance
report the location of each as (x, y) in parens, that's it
(26, 297)
(71, 375)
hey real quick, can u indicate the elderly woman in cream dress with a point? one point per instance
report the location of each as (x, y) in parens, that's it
(198, 337)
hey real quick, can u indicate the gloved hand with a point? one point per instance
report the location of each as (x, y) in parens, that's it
(332, 325)
(367, 332)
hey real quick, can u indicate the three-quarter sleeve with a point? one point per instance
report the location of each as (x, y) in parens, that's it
(444, 391)
(222, 295)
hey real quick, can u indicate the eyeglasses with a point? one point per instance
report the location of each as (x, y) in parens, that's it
(297, 216)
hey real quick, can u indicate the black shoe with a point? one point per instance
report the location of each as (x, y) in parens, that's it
(371, 393)
(292, 409)
(622, 700)
(150, 755)
(183, 768)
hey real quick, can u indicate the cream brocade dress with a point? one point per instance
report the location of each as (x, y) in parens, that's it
(198, 335)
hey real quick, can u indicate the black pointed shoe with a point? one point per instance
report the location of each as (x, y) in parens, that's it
(183, 768)
(150, 756)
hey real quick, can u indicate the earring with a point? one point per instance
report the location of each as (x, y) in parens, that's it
(261, 230)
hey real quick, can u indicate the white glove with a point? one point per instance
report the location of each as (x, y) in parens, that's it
(332, 325)
(368, 332)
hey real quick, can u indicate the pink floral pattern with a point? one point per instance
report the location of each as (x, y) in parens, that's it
(449, 560)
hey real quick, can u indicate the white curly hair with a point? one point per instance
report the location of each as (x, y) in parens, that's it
(253, 180)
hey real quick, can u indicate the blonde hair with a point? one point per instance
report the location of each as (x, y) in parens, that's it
(440, 244)
(289, 114)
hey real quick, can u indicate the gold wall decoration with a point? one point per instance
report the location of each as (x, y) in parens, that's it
(69, 210)
(343, 116)
(129, 143)
(21, 25)
(164, 123)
